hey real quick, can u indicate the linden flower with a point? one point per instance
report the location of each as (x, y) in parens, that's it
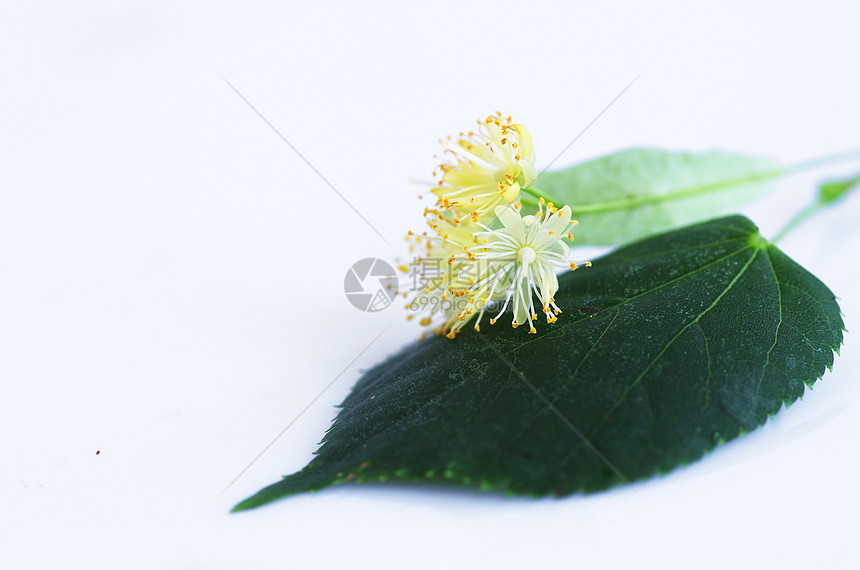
(446, 300)
(515, 263)
(520, 259)
(445, 284)
(488, 168)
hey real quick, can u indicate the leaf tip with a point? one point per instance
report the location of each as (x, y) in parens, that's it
(245, 505)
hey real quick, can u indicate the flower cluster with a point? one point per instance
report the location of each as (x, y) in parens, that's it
(493, 253)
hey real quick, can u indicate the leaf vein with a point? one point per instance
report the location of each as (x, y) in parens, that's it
(778, 324)
(668, 344)
(708, 379)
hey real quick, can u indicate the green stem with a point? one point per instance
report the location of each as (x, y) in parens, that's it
(845, 156)
(537, 193)
(829, 192)
(532, 191)
(797, 220)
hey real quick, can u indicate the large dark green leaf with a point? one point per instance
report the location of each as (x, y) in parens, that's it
(666, 348)
(638, 192)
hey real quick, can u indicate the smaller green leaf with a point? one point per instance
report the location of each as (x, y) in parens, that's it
(642, 191)
(833, 190)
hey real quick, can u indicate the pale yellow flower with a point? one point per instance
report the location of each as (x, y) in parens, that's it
(487, 168)
(514, 263)
(444, 296)
(521, 259)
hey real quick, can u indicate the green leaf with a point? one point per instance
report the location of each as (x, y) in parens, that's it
(666, 348)
(639, 192)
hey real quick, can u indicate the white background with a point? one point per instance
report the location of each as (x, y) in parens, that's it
(171, 272)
